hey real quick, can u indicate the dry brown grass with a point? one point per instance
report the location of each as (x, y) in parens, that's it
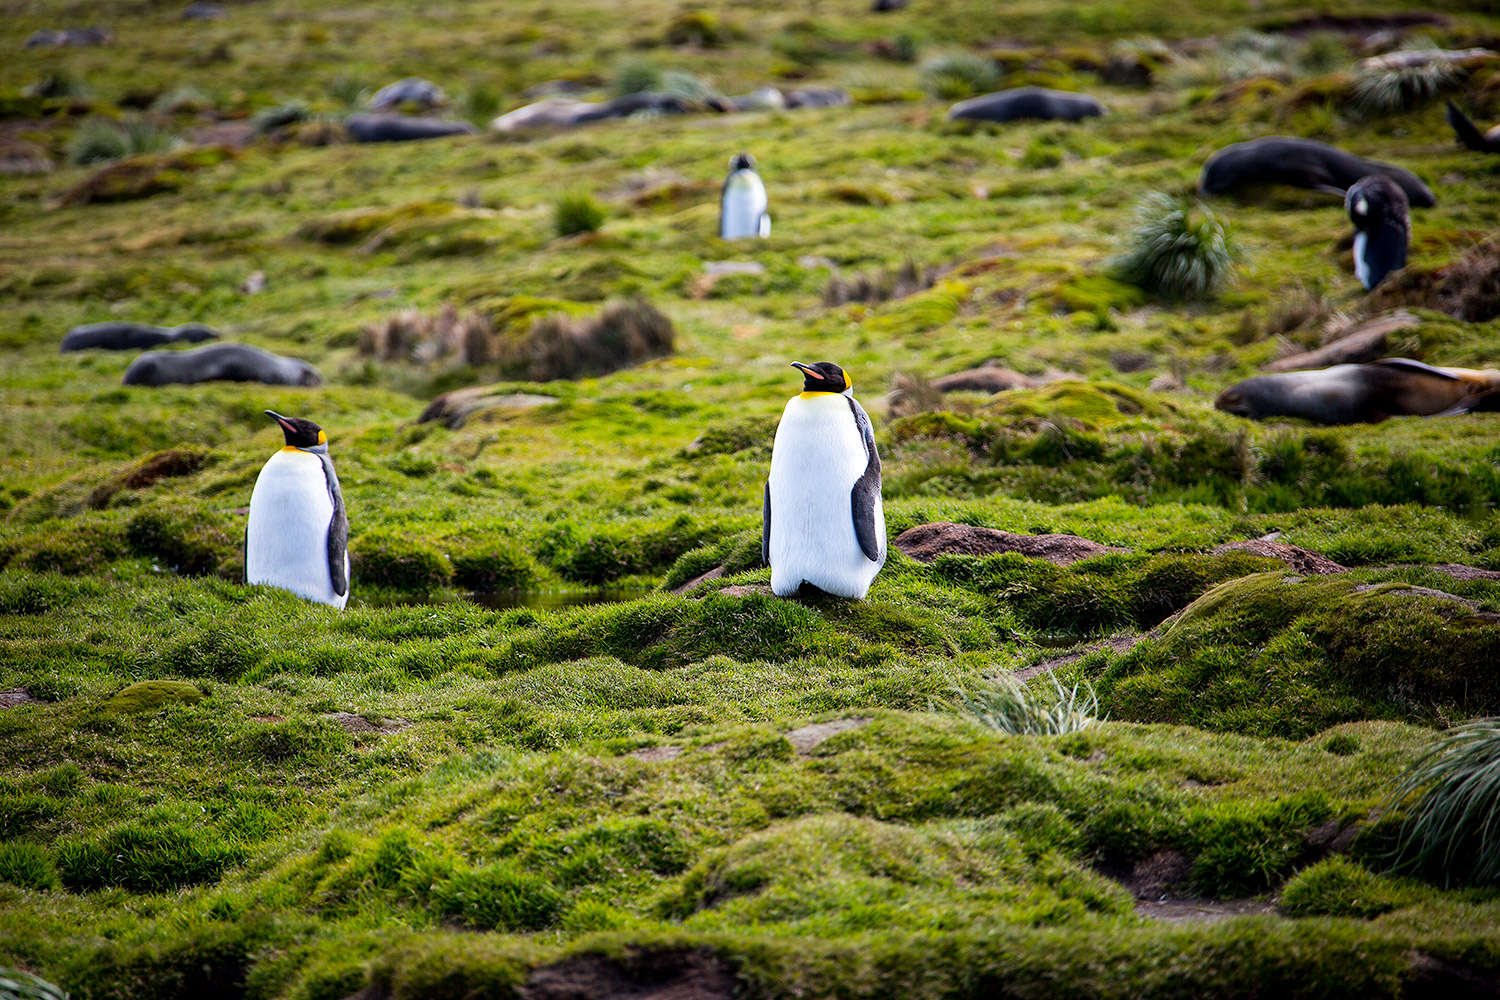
(879, 286)
(424, 338)
(620, 335)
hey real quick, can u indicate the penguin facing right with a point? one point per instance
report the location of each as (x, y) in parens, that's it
(297, 535)
(743, 207)
(1381, 215)
(823, 520)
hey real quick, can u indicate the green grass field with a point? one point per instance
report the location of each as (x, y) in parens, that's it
(518, 765)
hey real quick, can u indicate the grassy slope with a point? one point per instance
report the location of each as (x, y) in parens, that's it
(252, 839)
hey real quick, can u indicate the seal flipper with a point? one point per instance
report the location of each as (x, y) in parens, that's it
(1467, 132)
(765, 528)
(866, 491)
(1418, 368)
(338, 532)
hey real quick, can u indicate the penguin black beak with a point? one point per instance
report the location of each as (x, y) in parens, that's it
(280, 420)
(809, 372)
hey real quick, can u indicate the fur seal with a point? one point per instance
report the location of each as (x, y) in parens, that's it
(1027, 102)
(53, 37)
(562, 112)
(1382, 227)
(818, 97)
(1364, 394)
(219, 363)
(1279, 159)
(413, 90)
(1468, 133)
(116, 336)
(401, 128)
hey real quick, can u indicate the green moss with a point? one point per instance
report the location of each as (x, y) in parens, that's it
(145, 696)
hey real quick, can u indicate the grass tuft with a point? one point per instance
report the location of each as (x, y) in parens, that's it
(1171, 253)
(956, 75)
(637, 76)
(25, 865)
(621, 335)
(98, 141)
(576, 213)
(18, 985)
(1452, 823)
(1007, 706)
(1397, 89)
(284, 114)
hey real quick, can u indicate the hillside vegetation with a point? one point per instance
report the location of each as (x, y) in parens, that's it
(525, 761)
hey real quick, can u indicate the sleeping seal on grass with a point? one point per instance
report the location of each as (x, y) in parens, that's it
(117, 336)
(1278, 159)
(1364, 394)
(402, 128)
(1027, 102)
(219, 363)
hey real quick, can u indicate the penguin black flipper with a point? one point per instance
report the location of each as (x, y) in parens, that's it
(765, 528)
(338, 532)
(866, 489)
(1468, 133)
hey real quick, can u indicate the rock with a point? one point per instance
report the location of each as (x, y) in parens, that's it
(1367, 342)
(144, 696)
(818, 97)
(807, 737)
(254, 284)
(352, 723)
(456, 407)
(1415, 58)
(720, 268)
(14, 697)
(1301, 561)
(926, 542)
(1166, 383)
(763, 99)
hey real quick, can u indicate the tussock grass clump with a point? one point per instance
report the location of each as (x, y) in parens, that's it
(620, 335)
(880, 285)
(99, 141)
(59, 85)
(1452, 795)
(145, 860)
(394, 560)
(636, 76)
(576, 213)
(499, 897)
(181, 99)
(18, 985)
(493, 565)
(1007, 706)
(25, 865)
(284, 114)
(480, 104)
(425, 338)
(956, 75)
(1339, 887)
(1397, 88)
(1171, 253)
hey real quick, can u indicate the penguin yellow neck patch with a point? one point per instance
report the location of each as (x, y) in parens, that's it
(810, 395)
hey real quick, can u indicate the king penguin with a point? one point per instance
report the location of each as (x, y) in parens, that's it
(743, 205)
(1381, 215)
(297, 535)
(823, 521)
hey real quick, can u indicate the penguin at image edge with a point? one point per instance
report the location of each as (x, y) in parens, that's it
(743, 207)
(823, 522)
(1381, 214)
(297, 535)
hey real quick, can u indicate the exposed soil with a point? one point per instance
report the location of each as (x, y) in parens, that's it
(698, 580)
(1360, 24)
(1461, 572)
(11, 697)
(359, 724)
(698, 974)
(926, 542)
(1303, 561)
(1204, 911)
(807, 737)
(1115, 643)
(655, 755)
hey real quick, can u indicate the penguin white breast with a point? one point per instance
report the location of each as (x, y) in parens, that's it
(744, 206)
(286, 540)
(1361, 265)
(818, 455)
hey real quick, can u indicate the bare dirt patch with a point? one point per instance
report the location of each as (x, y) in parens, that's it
(926, 542)
(669, 975)
(656, 755)
(359, 724)
(1302, 561)
(12, 697)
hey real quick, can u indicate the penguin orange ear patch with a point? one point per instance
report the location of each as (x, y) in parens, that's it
(322, 437)
(848, 382)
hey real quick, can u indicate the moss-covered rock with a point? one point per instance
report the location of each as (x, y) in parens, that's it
(145, 696)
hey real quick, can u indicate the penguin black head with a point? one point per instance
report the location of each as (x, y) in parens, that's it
(742, 161)
(825, 376)
(299, 433)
